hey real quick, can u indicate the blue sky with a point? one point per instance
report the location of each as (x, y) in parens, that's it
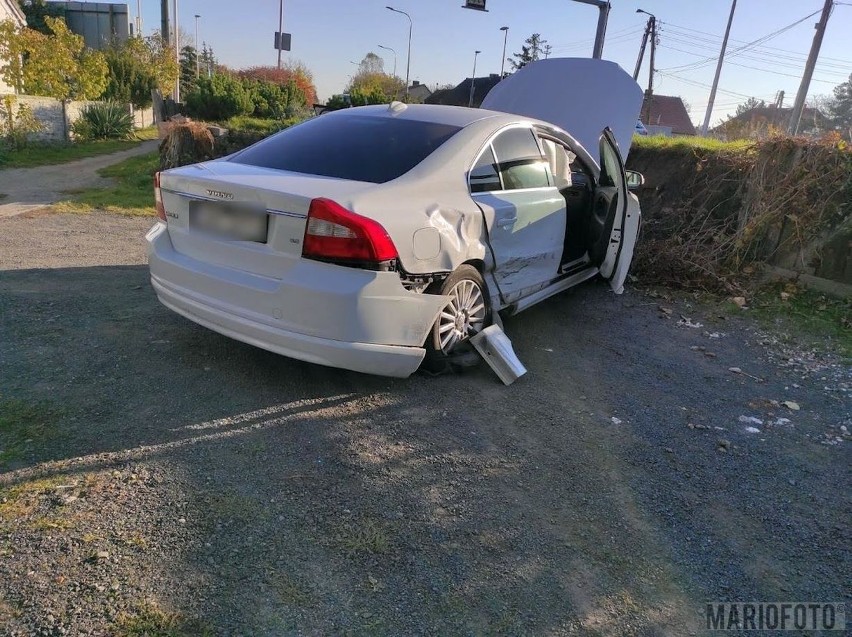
(329, 34)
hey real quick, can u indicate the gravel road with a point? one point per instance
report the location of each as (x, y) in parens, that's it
(158, 475)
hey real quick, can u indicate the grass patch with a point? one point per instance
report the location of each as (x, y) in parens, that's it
(22, 499)
(59, 153)
(132, 194)
(289, 591)
(23, 426)
(363, 537)
(819, 318)
(687, 143)
(151, 621)
(258, 124)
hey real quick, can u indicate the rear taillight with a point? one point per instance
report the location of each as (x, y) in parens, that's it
(158, 198)
(336, 234)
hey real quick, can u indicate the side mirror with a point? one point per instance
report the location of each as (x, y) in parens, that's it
(635, 180)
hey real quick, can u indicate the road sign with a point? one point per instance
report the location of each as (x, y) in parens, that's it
(283, 41)
(478, 5)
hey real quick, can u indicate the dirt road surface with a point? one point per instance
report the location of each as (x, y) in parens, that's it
(28, 189)
(158, 474)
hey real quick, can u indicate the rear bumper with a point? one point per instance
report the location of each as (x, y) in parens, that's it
(252, 309)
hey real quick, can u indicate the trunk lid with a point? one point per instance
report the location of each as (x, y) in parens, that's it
(241, 201)
(580, 95)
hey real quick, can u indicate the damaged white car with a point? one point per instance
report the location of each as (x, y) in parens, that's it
(372, 238)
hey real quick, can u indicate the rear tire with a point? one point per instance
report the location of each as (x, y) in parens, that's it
(467, 313)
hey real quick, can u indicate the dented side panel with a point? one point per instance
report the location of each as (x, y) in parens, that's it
(526, 231)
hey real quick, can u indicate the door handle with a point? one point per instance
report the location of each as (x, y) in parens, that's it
(507, 222)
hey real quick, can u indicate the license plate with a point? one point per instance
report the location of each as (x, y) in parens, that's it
(235, 222)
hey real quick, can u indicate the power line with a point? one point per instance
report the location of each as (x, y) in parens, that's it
(745, 47)
(754, 68)
(775, 60)
(763, 52)
(772, 48)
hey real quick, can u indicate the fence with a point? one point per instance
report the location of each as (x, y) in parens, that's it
(57, 117)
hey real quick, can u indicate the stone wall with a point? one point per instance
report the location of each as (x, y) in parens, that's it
(57, 121)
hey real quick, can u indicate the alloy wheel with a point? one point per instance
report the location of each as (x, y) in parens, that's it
(463, 316)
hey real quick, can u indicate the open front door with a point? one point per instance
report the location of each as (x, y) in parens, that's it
(615, 217)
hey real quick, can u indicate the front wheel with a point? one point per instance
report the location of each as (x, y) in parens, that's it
(467, 313)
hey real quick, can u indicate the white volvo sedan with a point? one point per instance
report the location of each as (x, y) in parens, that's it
(373, 238)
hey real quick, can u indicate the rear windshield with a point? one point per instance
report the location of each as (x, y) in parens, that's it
(357, 147)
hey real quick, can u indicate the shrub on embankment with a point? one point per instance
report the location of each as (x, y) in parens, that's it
(713, 211)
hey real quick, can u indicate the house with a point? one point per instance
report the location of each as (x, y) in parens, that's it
(460, 95)
(418, 92)
(761, 120)
(663, 112)
(10, 10)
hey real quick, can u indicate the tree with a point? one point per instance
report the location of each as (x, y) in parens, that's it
(371, 85)
(749, 105)
(190, 66)
(532, 50)
(137, 66)
(57, 65)
(840, 107)
(37, 10)
(208, 60)
(371, 63)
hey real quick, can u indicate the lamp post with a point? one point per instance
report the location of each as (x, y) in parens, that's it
(408, 61)
(197, 58)
(280, 29)
(387, 48)
(505, 31)
(473, 79)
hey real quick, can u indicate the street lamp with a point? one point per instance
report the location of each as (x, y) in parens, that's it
(505, 31)
(197, 58)
(387, 48)
(408, 62)
(473, 79)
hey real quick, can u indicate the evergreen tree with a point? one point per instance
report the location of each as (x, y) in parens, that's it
(190, 66)
(533, 49)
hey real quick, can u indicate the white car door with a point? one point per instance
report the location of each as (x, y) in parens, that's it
(616, 215)
(524, 212)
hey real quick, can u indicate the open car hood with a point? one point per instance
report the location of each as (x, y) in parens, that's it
(580, 95)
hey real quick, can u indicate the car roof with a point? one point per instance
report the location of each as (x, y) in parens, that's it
(460, 116)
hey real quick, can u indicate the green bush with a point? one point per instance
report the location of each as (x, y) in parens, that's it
(16, 130)
(218, 98)
(104, 120)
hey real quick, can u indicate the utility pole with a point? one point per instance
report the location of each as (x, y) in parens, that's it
(165, 29)
(799, 104)
(718, 71)
(649, 95)
(642, 47)
(280, 28)
(177, 51)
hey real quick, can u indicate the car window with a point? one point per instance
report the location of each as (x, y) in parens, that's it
(344, 146)
(610, 168)
(520, 161)
(484, 176)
